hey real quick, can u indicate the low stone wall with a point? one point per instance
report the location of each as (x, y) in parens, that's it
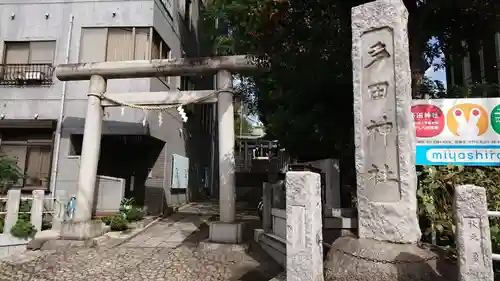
(10, 245)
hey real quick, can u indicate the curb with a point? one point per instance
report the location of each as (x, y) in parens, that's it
(138, 232)
(182, 207)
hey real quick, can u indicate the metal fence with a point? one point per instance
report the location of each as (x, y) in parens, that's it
(37, 74)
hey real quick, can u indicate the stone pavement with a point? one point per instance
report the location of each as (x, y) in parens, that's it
(172, 249)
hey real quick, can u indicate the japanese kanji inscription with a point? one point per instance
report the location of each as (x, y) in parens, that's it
(379, 115)
(378, 90)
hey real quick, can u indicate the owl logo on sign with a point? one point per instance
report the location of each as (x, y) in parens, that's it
(467, 120)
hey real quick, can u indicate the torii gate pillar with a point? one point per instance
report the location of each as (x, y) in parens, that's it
(226, 230)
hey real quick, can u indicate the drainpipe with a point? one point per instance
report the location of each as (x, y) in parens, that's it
(55, 163)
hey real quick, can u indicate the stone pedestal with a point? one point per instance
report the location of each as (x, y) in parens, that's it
(82, 230)
(226, 232)
(371, 260)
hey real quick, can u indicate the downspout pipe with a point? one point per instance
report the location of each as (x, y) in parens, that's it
(57, 141)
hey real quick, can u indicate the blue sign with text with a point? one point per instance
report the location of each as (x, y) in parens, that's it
(457, 131)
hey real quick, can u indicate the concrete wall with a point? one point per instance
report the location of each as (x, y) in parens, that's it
(30, 23)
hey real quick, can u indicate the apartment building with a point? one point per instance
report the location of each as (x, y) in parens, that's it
(137, 147)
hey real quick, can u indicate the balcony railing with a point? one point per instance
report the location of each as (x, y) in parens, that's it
(38, 74)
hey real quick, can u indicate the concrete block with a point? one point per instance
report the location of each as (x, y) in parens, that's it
(82, 230)
(223, 232)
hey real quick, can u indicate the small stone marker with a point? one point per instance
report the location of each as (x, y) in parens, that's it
(37, 209)
(384, 127)
(473, 234)
(304, 248)
(12, 209)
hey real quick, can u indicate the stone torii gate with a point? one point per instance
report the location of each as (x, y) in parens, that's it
(81, 227)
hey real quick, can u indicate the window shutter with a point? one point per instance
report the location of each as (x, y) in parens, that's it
(141, 51)
(120, 44)
(17, 53)
(93, 44)
(42, 51)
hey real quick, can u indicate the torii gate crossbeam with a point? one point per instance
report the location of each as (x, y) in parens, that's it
(226, 230)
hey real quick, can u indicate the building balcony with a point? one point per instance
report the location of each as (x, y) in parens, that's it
(21, 75)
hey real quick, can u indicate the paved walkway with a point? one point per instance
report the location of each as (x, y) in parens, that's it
(172, 249)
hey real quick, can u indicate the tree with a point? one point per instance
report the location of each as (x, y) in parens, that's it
(9, 173)
(306, 100)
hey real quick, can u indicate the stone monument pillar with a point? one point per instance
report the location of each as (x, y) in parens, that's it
(385, 165)
(304, 249)
(472, 234)
(384, 126)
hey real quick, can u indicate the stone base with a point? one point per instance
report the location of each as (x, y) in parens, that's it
(272, 245)
(82, 230)
(351, 258)
(225, 232)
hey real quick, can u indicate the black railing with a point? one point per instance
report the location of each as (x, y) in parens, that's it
(37, 74)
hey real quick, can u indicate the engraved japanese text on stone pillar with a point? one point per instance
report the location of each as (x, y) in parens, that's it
(381, 178)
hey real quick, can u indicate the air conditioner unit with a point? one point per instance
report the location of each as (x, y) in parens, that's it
(34, 75)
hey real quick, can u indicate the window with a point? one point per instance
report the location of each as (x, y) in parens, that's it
(161, 50)
(34, 52)
(28, 62)
(187, 84)
(33, 154)
(120, 45)
(115, 44)
(76, 142)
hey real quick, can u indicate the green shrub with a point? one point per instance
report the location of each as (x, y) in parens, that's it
(130, 211)
(106, 220)
(9, 173)
(134, 214)
(435, 200)
(23, 229)
(118, 223)
(126, 204)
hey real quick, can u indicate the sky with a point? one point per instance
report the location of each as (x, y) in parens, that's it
(436, 75)
(441, 73)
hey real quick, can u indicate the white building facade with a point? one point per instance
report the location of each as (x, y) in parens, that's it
(137, 148)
